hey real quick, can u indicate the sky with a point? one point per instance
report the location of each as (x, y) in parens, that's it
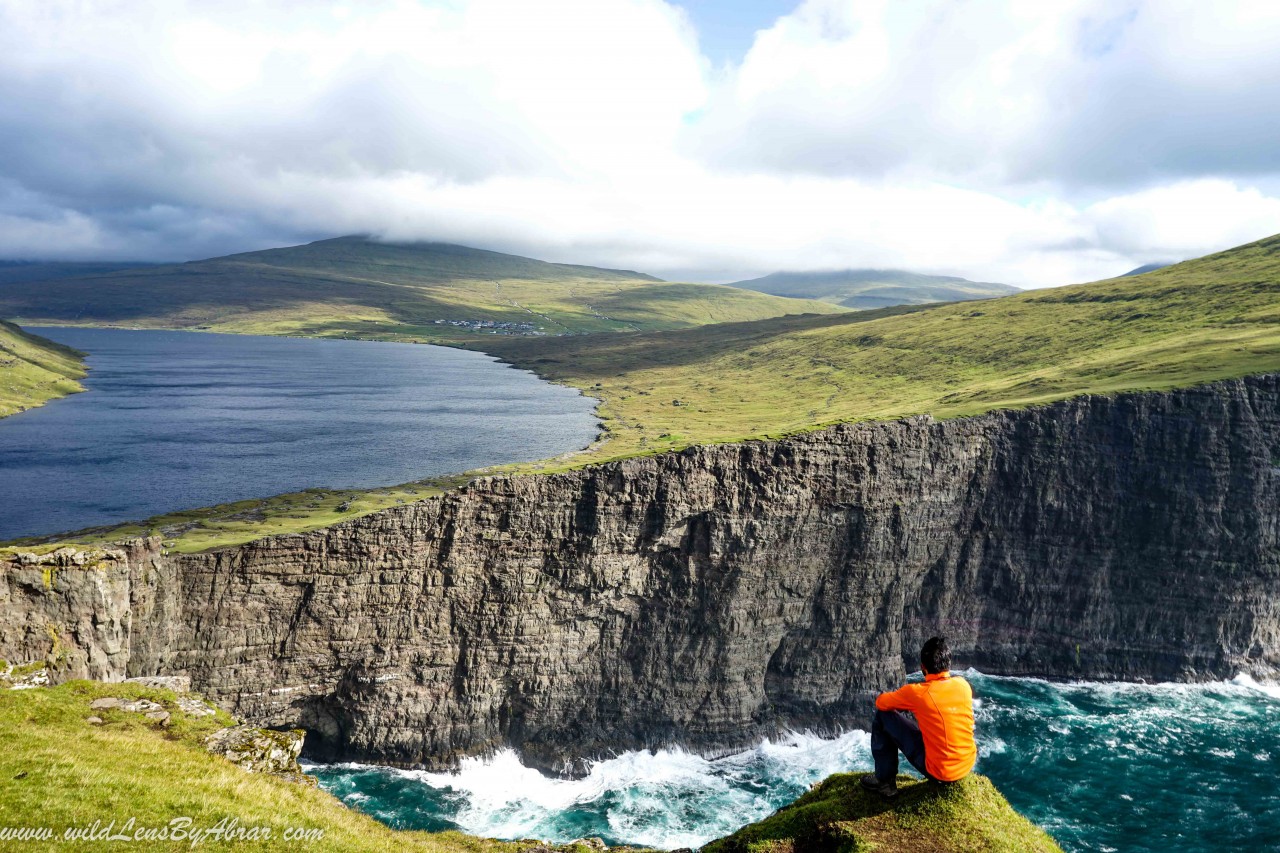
(1031, 143)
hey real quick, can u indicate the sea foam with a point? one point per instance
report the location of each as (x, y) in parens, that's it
(1092, 762)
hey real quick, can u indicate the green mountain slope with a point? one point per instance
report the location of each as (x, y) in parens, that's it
(14, 272)
(351, 286)
(1201, 320)
(866, 289)
(34, 370)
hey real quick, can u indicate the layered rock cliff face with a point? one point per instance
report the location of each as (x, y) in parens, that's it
(711, 596)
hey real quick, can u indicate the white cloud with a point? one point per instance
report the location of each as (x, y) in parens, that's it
(1092, 93)
(1031, 143)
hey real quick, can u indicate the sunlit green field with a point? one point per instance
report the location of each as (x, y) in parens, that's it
(34, 370)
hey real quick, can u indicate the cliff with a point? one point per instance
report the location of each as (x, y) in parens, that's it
(712, 596)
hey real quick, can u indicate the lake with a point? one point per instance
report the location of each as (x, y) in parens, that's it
(177, 420)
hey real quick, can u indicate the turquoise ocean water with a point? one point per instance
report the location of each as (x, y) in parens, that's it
(1102, 767)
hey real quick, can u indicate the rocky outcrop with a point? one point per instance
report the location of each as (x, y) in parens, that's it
(711, 596)
(256, 750)
(88, 613)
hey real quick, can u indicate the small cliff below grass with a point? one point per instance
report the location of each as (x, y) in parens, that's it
(715, 595)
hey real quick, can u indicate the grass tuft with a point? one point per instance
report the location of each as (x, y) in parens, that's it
(839, 816)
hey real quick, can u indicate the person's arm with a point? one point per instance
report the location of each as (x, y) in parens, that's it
(902, 699)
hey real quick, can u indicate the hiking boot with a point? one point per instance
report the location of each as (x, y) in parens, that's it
(888, 790)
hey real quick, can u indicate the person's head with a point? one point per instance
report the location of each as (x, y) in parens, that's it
(935, 657)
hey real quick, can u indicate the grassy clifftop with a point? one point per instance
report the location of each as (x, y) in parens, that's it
(354, 287)
(69, 765)
(1212, 318)
(838, 816)
(61, 769)
(34, 370)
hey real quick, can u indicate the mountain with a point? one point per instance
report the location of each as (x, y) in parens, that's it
(34, 370)
(865, 289)
(1144, 269)
(12, 272)
(1198, 321)
(356, 287)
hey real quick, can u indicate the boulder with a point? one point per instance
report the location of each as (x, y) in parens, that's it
(260, 750)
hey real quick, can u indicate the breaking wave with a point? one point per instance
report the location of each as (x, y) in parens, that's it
(1101, 766)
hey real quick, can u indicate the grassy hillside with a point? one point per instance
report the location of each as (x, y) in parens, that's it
(62, 771)
(866, 289)
(34, 370)
(1211, 318)
(354, 287)
(837, 816)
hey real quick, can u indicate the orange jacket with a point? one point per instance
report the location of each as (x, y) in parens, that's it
(943, 706)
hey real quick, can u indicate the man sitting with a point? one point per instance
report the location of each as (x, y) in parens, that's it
(939, 741)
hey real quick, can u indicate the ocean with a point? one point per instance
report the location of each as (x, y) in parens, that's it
(1100, 766)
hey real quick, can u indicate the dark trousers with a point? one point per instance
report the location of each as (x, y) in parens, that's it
(893, 732)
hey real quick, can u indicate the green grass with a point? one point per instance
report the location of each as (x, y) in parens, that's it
(58, 770)
(865, 289)
(34, 370)
(838, 816)
(1213, 318)
(352, 287)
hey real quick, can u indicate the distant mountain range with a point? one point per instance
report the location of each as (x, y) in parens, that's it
(1145, 268)
(864, 289)
(13, 272)
(357, 287)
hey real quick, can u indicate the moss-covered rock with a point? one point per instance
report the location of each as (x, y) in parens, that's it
(840, 816)
(261, 750)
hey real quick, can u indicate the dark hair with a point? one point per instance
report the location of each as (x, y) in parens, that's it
(935, 657)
